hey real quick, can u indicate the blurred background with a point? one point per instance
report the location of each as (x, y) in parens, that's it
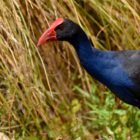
(44, 92)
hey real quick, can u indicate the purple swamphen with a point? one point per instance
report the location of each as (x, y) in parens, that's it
(118, 70)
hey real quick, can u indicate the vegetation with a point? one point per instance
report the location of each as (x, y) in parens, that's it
(44, 92)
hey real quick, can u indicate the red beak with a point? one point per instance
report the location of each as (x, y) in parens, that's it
(50, 33)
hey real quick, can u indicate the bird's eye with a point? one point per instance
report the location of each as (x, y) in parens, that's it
(60, 27)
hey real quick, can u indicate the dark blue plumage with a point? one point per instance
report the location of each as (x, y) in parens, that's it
(118, 70)
(108, 67)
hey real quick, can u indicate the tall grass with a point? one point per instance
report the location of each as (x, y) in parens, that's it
(44, 92)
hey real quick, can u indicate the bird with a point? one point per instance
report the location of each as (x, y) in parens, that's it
(117, 70)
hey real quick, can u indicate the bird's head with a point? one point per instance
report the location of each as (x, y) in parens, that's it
(61, 29)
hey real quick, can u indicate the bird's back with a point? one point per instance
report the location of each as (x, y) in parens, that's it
(118, 70)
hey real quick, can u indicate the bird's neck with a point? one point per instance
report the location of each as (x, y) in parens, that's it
(93, 60)
(83, 47)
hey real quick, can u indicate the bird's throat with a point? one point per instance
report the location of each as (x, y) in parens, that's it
(83, 47)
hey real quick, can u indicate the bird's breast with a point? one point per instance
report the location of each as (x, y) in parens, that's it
(108, 72)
